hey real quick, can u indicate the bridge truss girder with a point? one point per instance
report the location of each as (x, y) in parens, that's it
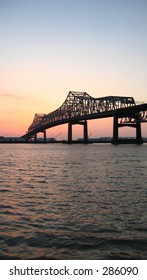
(79, 107)
(134, 117)
(80, 104)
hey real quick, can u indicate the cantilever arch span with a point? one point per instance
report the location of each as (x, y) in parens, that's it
(79, 107)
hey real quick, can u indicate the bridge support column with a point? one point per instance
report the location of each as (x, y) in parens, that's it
(85, 132)
(35, 137)
(115, 130)
(44, 136)
(69, 132)
(138, 133)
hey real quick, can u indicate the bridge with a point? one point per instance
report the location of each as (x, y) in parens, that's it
(79, 107)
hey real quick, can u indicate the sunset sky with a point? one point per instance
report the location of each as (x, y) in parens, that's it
(49, 47)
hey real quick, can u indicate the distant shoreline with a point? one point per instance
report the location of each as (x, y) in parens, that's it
(103, 140)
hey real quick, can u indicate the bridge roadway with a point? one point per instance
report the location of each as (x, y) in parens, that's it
(79, 107)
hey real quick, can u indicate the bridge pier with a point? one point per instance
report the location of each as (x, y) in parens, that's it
(44, 136)
(35, 137)
(85, 132)
(69, 132)
(44, 132)
(138, 133)
(116, 125)
(115, 130)
(84, 123)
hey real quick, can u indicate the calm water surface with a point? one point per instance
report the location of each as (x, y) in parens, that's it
(73, 201)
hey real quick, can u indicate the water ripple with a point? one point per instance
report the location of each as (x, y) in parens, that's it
(73, 202)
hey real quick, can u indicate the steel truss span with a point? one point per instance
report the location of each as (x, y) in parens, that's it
(80, 106)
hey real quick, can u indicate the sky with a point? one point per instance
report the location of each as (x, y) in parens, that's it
(51, 47)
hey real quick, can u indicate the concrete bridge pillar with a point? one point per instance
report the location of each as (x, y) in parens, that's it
(138, 133)
(115, 130)
(69, 132)
(116, 125)
(35, 137)
(44, 132)
(85, 132)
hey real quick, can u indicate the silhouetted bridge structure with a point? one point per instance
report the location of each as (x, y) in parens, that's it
(79, 107)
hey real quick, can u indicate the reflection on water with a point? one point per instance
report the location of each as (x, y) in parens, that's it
(73, 201)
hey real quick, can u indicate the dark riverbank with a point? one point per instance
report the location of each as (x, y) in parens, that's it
(19, 140)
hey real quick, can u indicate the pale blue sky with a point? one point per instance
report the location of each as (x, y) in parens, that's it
(49, 47)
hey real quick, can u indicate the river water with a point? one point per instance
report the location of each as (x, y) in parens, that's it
(60, 201)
